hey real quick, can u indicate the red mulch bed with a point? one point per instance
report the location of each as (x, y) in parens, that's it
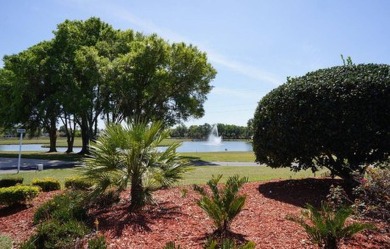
(176, 217)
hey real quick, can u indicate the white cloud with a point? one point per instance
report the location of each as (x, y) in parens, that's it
(246, 94)
(244, 69)
(215, 57)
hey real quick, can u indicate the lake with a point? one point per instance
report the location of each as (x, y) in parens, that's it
(187, 146)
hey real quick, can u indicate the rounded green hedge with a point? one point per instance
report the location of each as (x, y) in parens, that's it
(337, 117)
(18, 194)
(47, 184)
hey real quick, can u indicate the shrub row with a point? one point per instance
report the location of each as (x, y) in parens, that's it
(47, 184)
(78, 183)
(10, 181)
(17, 194)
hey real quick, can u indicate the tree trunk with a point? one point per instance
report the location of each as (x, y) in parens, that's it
(331, 243)
(137, 194)
(85, 136)
(70, 142)
(53, 140)
(70, 134)
(53, 135)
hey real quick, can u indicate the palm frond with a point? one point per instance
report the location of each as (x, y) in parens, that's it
(222, 205)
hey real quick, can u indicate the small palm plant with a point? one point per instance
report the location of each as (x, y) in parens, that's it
(128, 153)
(222, 205)
(327, 226)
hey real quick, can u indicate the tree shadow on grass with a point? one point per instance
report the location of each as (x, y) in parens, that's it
(196, 161)
(299, 192)
(119, 218)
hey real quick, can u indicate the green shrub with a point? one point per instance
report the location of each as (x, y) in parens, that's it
(337, 118)
(223, 204)
(327, 227)
(47, 184)
(105, 199)
(63, 207)
(10, 181)
(373, 195)
(56, 234)
(78, 183)
(5, 242)
(17, 194)
(98, 242)
(228, 243)
(171, 245)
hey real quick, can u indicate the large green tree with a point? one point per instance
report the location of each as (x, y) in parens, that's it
(90, 71)
(156, 80)
(30, 94)
(338, 118)
(79, 65)
(118, 75)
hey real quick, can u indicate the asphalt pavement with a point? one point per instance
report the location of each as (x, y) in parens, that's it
(10, 165)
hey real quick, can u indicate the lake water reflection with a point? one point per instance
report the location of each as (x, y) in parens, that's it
(204, 146)
(187, 146)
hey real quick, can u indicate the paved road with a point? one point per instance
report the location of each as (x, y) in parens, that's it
(9, 165)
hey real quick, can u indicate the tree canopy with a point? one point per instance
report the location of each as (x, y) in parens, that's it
(338, 118)
(90, 70)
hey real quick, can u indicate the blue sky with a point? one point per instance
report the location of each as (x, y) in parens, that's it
(254, 44)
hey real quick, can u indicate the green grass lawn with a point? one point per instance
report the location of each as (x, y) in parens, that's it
(201, 174)
(220, 156)
(197, 174)
(59, 174)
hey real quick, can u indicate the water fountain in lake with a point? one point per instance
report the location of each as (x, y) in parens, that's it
(213, 138)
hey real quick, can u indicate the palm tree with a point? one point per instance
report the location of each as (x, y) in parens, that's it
(128, 153)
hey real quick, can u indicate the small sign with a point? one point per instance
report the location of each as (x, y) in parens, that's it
(21, 130)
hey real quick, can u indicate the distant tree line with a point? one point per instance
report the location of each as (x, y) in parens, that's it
(91, 71)
(227, 131)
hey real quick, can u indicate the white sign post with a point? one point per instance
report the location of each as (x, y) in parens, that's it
(21, 131)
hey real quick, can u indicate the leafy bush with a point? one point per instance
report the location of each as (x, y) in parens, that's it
(98, 242)
(5, 242)
(78, 183)
(337, 198)
(373, 195)
(17, 194)
(336, 118)
(224, 204)
(10, 181)
(63, 207)
(327, 227)
(56, 234)
(105, 199)
(47, 184)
